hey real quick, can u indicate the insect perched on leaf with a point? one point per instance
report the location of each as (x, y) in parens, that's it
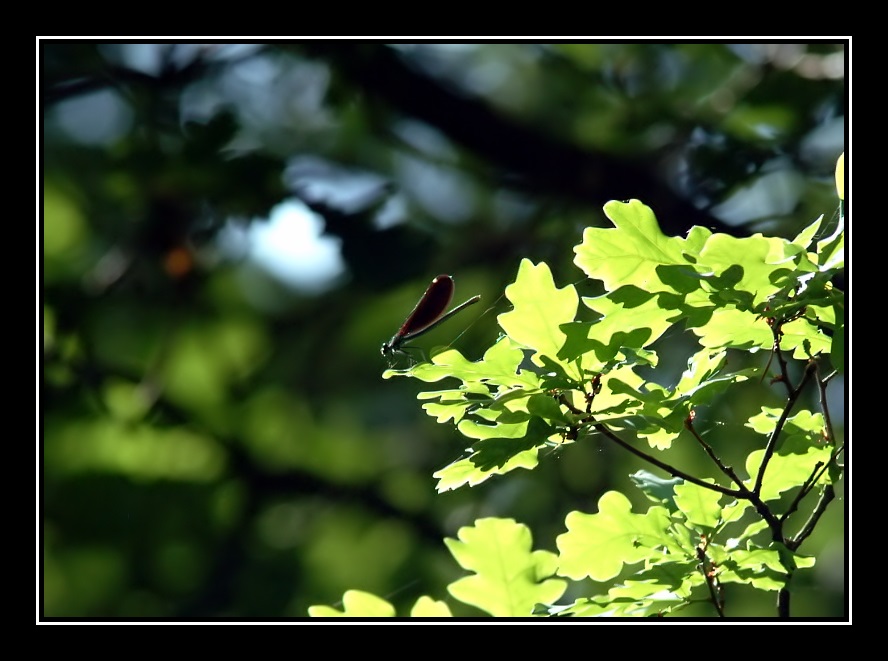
(428, 313)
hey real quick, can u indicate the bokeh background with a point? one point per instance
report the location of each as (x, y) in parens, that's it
(230, 231)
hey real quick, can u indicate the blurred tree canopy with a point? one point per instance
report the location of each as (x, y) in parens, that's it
(230, 231)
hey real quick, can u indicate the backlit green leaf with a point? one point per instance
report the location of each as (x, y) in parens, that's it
(598, 545)
(508, 578)
(538, 308)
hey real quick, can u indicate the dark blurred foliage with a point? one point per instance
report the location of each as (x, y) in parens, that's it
(217, 440)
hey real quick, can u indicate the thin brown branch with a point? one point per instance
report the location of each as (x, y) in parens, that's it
(712, 583)
(675, 472)
(825, 499)
(819, 468)
(784, 367)
(743, 493)
(778, 428)
(824, 406)
(727, 470)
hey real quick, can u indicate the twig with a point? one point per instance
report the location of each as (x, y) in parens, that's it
(827, 421)
(736, 493)
(743, 493)
(826, 497)
(712, 583)
(772, 441)
(727, 470)
(819, 467)
(603, 429)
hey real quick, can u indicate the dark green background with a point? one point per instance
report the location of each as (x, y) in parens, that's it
(215, 443)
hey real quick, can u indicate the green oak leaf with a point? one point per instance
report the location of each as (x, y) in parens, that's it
(598, 545)
(538, 308)
(508, 578)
